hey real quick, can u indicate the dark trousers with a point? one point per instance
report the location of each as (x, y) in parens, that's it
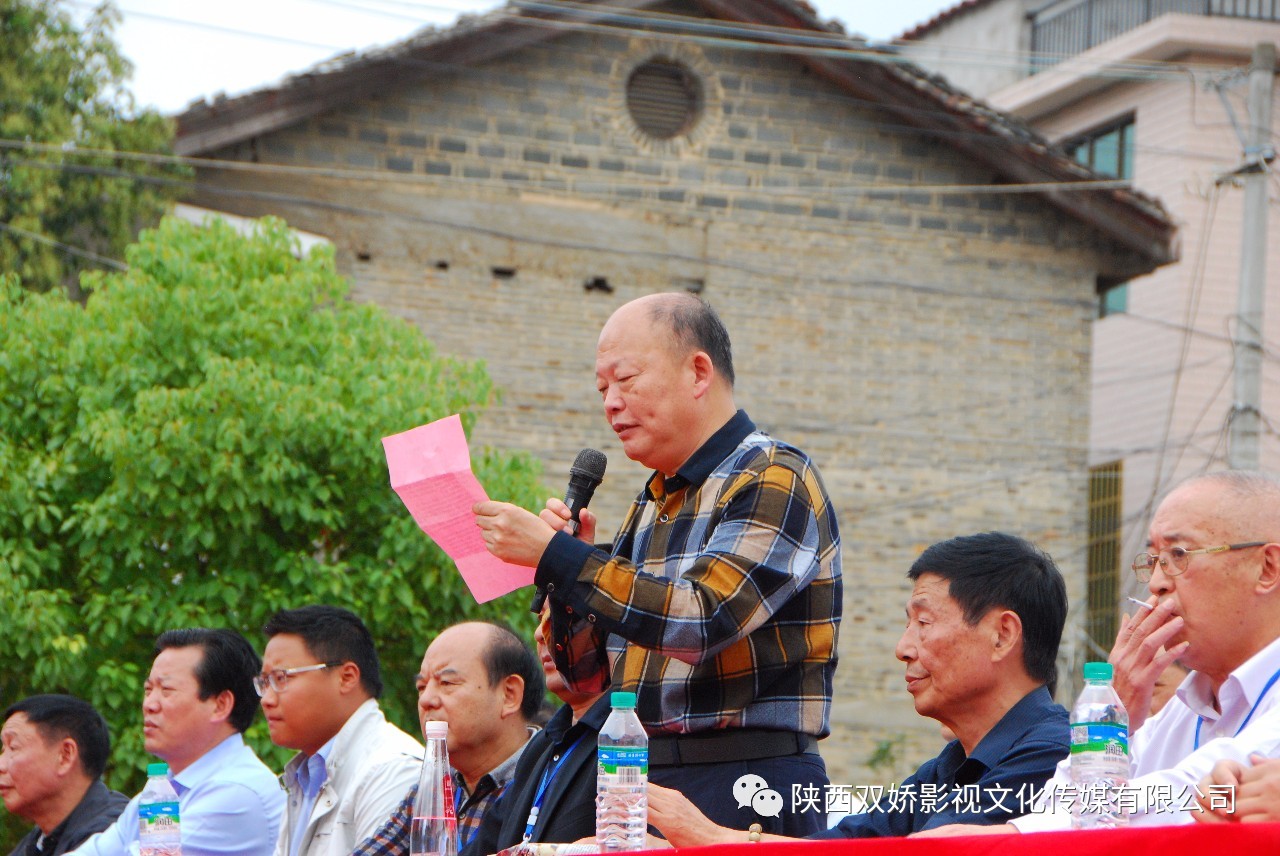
(710, 788)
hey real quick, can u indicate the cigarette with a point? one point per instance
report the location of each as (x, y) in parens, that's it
(1141, 603)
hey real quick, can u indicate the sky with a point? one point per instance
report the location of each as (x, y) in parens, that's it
(184, 51)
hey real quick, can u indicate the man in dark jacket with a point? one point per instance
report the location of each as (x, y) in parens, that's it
(55, 748)
(984, 620)
(552, 795)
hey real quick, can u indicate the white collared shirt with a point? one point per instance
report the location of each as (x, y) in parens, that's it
(1167, 766)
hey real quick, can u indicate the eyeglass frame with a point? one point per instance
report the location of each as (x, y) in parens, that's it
(278, 679)
(1169, 565)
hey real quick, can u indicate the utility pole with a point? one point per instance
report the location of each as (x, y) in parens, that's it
(1246, 416)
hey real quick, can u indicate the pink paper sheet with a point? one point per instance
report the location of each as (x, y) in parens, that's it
(430, 470)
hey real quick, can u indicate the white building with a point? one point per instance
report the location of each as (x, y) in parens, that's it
(1151, 90)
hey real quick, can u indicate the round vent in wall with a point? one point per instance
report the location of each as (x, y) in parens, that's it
(664, 98)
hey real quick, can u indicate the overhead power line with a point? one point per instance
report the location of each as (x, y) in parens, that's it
(367, 174)
(213, 28)
(640, 23)
(706, 31)
(79, 252)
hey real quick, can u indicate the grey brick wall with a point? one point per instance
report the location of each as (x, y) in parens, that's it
(930, 350)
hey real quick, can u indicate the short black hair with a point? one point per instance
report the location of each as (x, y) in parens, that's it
(507, 654)
(994, 570)
(697, 327)
(333, 635)
(227, 663)
(58, 717)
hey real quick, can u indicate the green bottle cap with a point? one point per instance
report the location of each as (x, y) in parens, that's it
(157, 770)
(1098, 671)
(623, 701)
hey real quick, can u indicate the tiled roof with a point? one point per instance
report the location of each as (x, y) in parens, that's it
(951, 12)
(915, 97)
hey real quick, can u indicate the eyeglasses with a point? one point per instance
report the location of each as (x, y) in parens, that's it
(278, 679)
(1174, 561)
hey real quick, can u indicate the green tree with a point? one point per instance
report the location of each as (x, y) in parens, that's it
(199, 445)
(67, 200)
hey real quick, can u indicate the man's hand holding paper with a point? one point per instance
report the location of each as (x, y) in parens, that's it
(430, 469)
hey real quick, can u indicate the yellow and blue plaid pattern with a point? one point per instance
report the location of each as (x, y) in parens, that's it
(721, 601)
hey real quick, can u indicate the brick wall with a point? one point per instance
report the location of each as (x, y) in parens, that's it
(930, 350)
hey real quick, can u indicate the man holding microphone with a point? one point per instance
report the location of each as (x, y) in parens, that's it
(719, 602)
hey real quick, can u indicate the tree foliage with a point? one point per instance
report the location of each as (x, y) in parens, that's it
(64, 117)
(199, 445)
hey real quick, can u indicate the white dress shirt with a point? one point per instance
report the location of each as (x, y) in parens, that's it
(1167, 765)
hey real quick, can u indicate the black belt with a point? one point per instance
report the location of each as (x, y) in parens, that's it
(739, 744)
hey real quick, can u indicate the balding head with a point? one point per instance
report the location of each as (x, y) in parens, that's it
(1245, 501)
(1227, 599)
(665, 371)
(694, 326)
(485, 682)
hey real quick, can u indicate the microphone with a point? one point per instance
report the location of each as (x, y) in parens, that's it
(584, 477)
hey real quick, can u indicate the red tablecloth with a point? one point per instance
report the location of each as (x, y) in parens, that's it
(1245, 839)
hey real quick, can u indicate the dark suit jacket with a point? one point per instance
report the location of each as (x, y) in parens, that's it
(568, 808)
(97, 810)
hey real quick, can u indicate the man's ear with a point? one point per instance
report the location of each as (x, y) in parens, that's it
(1006, 634)
(512, 689)
(223, 704)
(68, 756)
(704, 373)
(349, 678)
(1269, 573)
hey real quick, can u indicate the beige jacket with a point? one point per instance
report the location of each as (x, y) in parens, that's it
(372, 766)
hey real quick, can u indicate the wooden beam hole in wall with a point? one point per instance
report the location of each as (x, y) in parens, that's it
(503, 272)
(598, 283)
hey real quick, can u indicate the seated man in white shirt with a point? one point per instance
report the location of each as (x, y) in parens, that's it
(196, 704)
(1213, 569)
(320, 685)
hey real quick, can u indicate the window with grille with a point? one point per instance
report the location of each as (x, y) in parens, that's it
(664, 98)
(1106, 511)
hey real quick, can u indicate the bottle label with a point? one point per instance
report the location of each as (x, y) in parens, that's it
(1110, 738)
(446, 783)
(159, 817)
(616, 758)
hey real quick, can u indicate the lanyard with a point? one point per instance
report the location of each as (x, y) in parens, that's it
(1261, 696)
(548, 774)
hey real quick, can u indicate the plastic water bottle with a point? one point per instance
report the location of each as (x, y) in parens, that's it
(1099, 752)
(434, 828)
(622, 775)
(159, 824)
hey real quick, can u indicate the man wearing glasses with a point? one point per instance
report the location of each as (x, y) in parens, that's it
(320, 684)
(1213, 569)
(197, 702)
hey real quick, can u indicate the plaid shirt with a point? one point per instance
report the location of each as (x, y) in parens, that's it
(720, 603)
(393, 838)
